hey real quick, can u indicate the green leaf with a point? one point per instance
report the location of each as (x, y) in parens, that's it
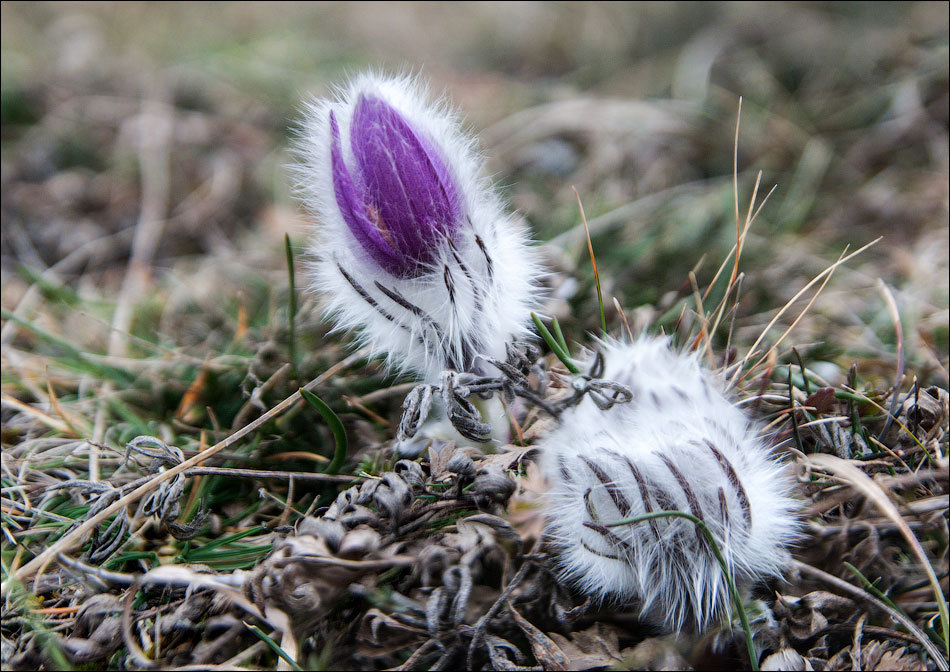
(559, 335)
(554, 345)
(339, 433)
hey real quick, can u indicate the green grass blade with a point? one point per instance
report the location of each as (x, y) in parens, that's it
(57, 292)
(119, 560)
(77, 359)
(230, 539)
(559, 335)
(801, 366)
(737, 601)
(273, 645)
(291, 308)
(25, 603)
(339, 433)
(871, 588)
(554, 345)
(879, 594)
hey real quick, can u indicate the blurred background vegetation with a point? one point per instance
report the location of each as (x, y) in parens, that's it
(845, 109)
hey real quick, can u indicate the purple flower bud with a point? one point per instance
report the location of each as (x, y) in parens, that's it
(414, 250)
(402, 202)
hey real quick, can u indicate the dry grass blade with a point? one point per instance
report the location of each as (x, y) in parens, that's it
(184, 576)
(863, 483)
(45, 418)
(791, 301)
(66, 265)
(899, 334)
(736, 277)
(233, 663)
(769, 353)
(843, 585)
(71, 421)
(593, 263)
(623, 317)
(742, 237)
(267, 473)
(898, 482)
(735, 189)
(704, 332)
(892, 418)
(135, 651)
(69, 541)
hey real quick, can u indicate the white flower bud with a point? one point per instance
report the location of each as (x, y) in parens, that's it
(678, 445)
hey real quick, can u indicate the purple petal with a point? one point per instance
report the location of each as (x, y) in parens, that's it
(356, 213)
(405, 178)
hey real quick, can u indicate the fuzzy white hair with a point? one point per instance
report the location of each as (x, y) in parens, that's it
(678, 445)
(477, 291)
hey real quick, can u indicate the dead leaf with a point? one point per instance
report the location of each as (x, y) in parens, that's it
(786, 659)
(439, 459)
(898, 659)
(591, 649)
(510, 458)
(823, 400)
(381, 634)
(809, 615)
(654, 653)
(545, 651)
(527, 506)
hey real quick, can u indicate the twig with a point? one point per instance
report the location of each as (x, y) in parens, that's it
(479, 629)
(890, 482)
(267, 473)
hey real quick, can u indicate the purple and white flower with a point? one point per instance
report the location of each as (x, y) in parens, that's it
(414, 250)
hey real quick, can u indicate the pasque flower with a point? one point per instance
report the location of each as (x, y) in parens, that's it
(680, 444)
(414, 250)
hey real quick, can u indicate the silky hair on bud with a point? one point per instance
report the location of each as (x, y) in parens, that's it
(413, 249)
(680, 445)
